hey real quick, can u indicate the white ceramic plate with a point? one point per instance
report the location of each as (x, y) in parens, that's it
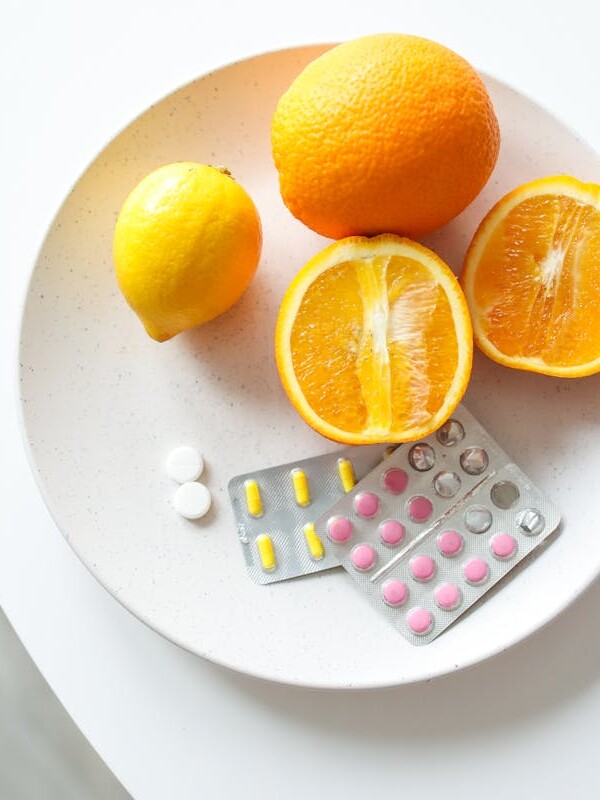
(103, 405)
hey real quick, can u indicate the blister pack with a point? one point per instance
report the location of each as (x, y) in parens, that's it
(434, 527)
(275, 510)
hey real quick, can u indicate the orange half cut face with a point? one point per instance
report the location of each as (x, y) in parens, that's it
(532, 278)
(374, 341)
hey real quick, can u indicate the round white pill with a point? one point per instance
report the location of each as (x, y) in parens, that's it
(191, 500)
(185, 464)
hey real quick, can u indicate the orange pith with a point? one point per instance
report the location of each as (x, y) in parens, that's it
(373, 341)
(532, 278)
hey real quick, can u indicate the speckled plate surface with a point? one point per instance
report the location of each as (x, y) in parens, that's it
(103, 405)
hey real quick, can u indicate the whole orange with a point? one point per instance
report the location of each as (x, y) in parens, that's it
(385, 133)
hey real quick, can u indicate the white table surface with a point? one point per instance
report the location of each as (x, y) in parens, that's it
(169, 724)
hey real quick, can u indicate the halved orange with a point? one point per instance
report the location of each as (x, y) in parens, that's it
(532, 278)
(374, 341)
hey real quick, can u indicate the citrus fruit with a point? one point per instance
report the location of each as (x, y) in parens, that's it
(186, 245)
(373, 341)
(388, 133)
(532, 278)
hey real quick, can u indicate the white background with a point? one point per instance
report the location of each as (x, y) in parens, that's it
(167, 723)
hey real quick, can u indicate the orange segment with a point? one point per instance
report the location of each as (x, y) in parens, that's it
(374, 341)
(532, 278)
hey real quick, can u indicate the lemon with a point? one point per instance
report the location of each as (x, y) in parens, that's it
(186, 245)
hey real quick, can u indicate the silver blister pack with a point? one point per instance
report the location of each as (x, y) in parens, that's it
(275, 510)
(427, 533)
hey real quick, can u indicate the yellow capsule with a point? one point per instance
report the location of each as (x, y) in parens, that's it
(301, 489)
(253, 498)
(346, 472)
(313, 542)
(266, 551)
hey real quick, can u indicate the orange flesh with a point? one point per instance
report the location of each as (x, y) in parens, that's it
(387, 345)
(537, 282)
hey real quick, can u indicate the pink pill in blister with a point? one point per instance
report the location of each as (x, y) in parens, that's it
(366, 504)
(419, 508)
(476, 571)
(419, 620)
(447, 596)
(450, 543)
(363, 557)
(422, 568)
(392, 532)
(395, 480)
(503, 545)
(339, 529)
(394, 592)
